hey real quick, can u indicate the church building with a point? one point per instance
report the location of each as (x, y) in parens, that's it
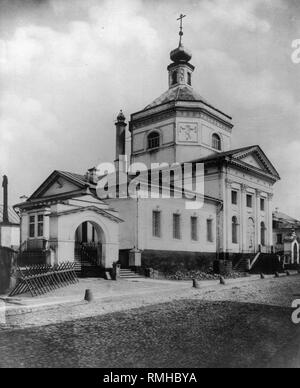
(66, 220)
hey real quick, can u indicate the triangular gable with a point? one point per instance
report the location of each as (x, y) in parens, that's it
(255, 157)
(58, 183)
(108, 213)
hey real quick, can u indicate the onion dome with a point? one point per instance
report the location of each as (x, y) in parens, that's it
(180, 55)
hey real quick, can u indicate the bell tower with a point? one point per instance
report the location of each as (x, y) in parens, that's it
(180, 125)
(180, 71)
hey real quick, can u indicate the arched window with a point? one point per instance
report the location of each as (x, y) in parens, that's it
(234, 230)
(216, 142)
(174, 77)
(263, 234)
(153, 140)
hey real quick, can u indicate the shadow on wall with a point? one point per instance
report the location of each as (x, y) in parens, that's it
(7, 265)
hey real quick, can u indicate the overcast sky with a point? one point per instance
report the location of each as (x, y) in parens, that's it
(68, 66)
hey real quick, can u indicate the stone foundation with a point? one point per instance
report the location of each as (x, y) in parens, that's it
(171, 262)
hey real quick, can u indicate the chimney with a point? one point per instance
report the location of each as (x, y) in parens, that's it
(5, 200)
(91, 175)
(121, 125)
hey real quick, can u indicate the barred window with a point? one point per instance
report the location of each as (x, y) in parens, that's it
(31, 226)
(176, 227)
(210, 237)
(156, 223)
(194, 228)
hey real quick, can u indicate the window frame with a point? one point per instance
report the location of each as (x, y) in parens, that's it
(234, 193)
(156, 227)
(155, 140)
(234, 230)
(176, 226)
(32, 225)
(40, 223)
(279, 238)
(194, 228)
(209, 231)
(263, 234)
(249, 199)
(174, 77)
(216, 142)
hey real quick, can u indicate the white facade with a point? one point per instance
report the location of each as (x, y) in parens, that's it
(61, 219)
(137, 231)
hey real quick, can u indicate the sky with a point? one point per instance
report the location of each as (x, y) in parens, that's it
(68, 66)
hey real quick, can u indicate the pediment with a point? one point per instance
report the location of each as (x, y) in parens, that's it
(58, 184)
(255, 157)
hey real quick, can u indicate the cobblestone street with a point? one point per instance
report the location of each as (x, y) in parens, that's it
(205, 328)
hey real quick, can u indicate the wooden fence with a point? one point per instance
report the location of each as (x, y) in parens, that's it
(40, 279)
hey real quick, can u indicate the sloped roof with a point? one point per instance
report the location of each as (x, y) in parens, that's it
(12, 215)
(75, 177)
(285, 220)
(178, 93)
(237, 155)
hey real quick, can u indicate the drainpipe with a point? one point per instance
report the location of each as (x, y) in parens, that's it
(5, 200)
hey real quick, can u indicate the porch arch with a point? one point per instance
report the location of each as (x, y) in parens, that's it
(102, 232)
(89, 245)
(107, 228)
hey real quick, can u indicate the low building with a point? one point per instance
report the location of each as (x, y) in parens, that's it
(64, 219)
(286, 237)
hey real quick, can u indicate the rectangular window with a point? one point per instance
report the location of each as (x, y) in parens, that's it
(194, 228)
(40, 225)
(210, 237)
(234, 197)
(249, 201)
(279, 239)
(31, 226)
(262, 204)
(189, 79)
(156, 224)
(176, 227)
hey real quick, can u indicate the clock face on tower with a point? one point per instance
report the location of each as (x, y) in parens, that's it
(188, 133)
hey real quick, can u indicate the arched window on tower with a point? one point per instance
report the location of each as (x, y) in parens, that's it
(234, 230)
(174, 77)
(153, 140)
(263, 234)
(216, 142)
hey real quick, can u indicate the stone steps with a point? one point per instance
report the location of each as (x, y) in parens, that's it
(129, 274)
